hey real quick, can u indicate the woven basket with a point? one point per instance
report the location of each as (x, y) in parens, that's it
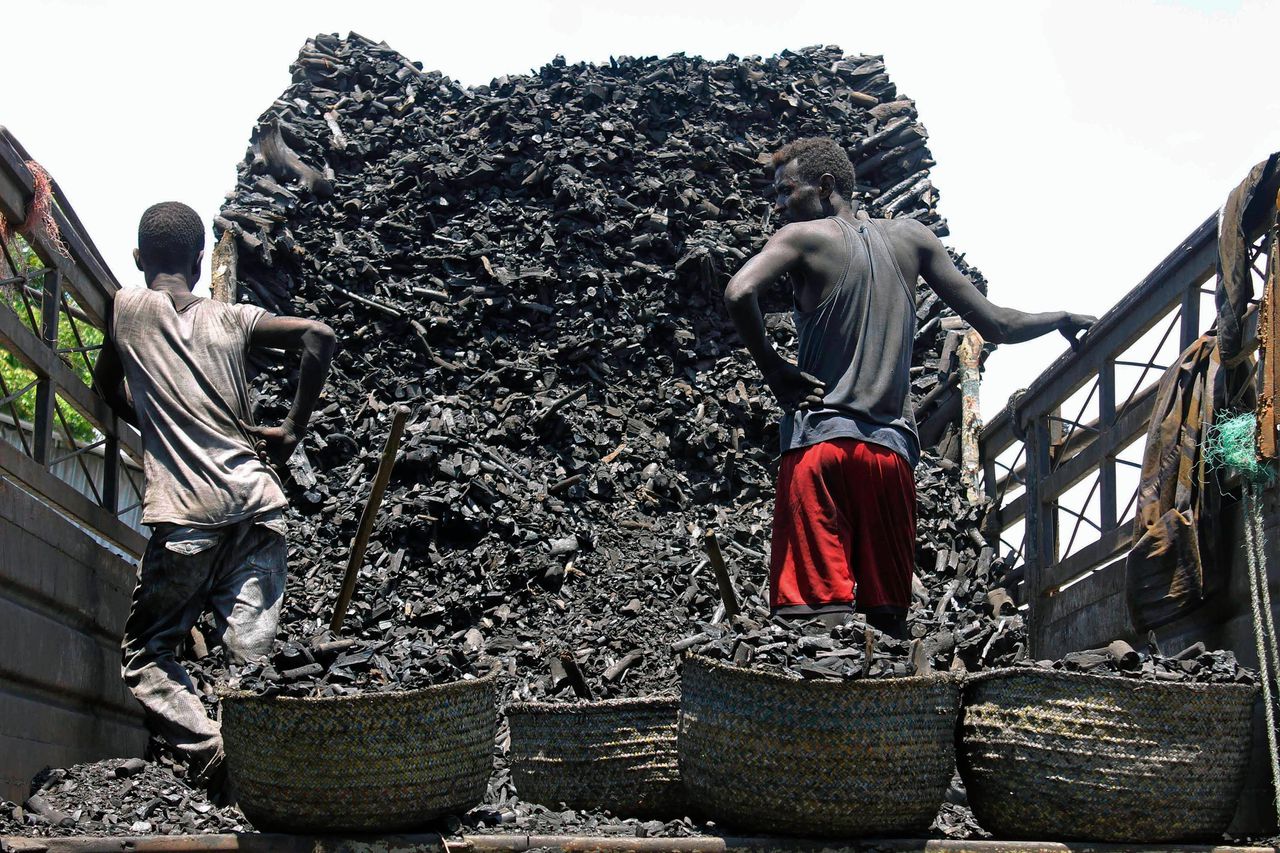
(1048, 754)
(617, 754)
(377, 761)
(856, 758)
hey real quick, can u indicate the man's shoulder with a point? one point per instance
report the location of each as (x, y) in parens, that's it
(808, 234)
(906, 230)
(129, 300)
(909, 238)
(128, 294)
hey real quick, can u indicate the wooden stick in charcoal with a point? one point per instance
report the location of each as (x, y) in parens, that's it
(576, 679)
(727, 595)
(869, 650)
(380, 479)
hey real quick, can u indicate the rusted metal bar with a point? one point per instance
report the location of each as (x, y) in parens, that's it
(1106, 421)
(27, 347)
(1108, 546)
(9, 398)
(46, 392)
(970, 352)
(1119, 434)
(1081, 516)
(111, 474)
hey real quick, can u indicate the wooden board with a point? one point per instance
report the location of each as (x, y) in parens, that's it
(16, 465)
(1086, 615)
(48, 563)
(43, 652)
(35, 733)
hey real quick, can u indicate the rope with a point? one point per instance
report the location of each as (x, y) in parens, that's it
(1264, 627)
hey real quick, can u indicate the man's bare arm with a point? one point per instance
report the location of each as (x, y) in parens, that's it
(995, 323)
(316, 342)
(108, 377)
(782, 254)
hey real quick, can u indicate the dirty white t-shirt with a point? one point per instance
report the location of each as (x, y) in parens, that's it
(185, 371)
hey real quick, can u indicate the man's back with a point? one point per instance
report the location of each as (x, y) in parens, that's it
(855, 319)
(826, 250)
(185, 369)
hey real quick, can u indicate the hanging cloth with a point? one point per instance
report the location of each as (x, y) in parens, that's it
(1175, 565)
(1235, 280)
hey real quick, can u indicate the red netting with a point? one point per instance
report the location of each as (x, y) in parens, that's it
(40, 218)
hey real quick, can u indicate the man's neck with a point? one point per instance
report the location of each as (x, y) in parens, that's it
(172, 283)
(847, 212)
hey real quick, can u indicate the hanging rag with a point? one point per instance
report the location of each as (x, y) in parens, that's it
(1235, 280)
(1176, 563)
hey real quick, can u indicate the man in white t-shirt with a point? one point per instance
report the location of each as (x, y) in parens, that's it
(174, 365)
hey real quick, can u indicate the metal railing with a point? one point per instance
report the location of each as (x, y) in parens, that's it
(1045, 445)
(51, 320)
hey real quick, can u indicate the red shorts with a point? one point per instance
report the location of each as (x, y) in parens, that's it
(844, 526)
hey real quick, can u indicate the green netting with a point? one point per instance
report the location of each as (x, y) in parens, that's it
(1229, 444)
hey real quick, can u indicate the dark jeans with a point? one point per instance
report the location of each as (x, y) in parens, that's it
(237, 572)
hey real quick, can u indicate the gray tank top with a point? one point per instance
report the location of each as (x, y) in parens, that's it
(858, 342)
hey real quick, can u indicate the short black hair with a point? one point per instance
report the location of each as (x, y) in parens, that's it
(170, 235)
(816, 156)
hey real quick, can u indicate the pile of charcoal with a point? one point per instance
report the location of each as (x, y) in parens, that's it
(509, 815)
(535, 268)
(809, 650)
(326, 667)
(116, 797)
(1193, 665)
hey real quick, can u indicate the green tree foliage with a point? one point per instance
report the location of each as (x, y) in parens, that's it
(14, 376)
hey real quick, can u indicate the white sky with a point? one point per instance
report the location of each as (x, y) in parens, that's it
(1077, 142)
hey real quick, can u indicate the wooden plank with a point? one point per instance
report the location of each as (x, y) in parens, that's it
(1109, 545)
(46, 523)
(23, 469)
(1187, 267)
(35, 733)
(1089, 457)
(44, 362)
(73, 541)
(43, 652)
(1189, 326)
(93, 598)
(1087, 615)
(89, 294)
(1041, 547)
(253, 842)
(1174, 279)
(1013, 511)
(77, 239)
(90, 281)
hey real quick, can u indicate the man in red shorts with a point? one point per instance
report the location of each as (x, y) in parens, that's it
(844, 518)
